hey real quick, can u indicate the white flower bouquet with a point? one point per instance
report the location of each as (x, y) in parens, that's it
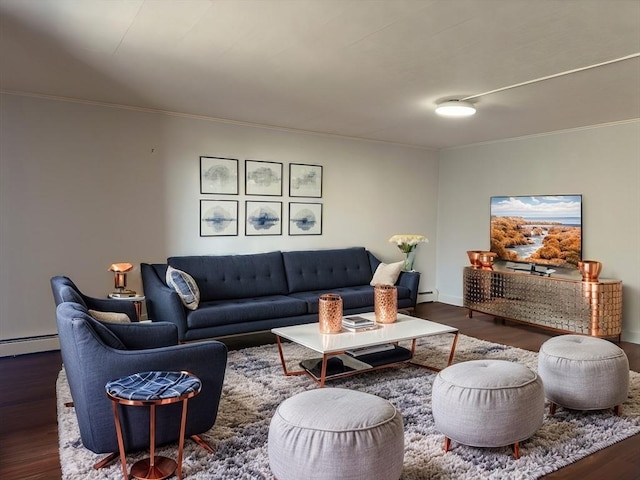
(407, 245)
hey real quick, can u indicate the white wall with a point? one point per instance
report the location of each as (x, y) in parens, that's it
(601, 163)
(83, 186)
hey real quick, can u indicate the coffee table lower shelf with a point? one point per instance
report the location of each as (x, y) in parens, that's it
(344, 365)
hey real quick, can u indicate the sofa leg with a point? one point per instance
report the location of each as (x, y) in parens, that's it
(516, 450)
(552, 408)
(198, 439)
(106, 460)
(617, 410)
(447, 444)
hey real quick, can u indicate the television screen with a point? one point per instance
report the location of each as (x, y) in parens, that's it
(540, 229)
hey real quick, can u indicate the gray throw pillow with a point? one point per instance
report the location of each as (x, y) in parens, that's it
(110, 317)
(185, 286)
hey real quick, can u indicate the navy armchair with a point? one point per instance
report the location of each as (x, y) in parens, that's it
(64, 290)
(94, 353)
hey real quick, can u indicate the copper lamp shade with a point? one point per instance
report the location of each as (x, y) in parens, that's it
(120, 275)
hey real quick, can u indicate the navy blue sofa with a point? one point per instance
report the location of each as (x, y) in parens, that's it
(256, 292)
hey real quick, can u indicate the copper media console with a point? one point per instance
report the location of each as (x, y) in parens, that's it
(557, 303)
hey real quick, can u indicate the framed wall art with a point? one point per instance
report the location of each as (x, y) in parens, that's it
(263, 178)
(219, 175)
(305, 180)
(263, 218)
(305, 218)
(218, 218)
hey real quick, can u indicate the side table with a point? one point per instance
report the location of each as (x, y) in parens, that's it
(137, 301)
(152, 389)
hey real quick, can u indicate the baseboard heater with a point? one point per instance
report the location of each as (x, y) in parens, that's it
(38, 343)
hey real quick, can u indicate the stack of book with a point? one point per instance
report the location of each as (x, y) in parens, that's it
(358, 324)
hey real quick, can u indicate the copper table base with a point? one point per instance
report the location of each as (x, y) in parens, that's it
(162, 467)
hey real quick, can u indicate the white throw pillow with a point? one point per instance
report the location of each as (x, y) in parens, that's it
(185, 285)
(110, 317)
(386, 274)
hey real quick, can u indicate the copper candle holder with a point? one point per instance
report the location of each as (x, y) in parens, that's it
(330, 313)
(385, 303)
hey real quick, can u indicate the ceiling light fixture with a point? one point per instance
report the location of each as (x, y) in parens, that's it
(455, 108)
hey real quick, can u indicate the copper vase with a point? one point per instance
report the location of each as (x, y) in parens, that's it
(330, 313)
(386, 303)
(590, 269)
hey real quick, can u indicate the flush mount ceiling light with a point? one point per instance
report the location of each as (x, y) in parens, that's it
(455, 108)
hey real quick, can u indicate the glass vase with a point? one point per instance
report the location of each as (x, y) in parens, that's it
(407, 266)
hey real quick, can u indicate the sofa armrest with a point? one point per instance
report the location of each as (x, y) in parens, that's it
(411, 280)
(163, 303)
(142, 336)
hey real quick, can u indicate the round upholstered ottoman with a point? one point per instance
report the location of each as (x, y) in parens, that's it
(336, 434)
(583, 373)
(487, 403)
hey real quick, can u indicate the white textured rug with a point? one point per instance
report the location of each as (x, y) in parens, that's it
(255, 386)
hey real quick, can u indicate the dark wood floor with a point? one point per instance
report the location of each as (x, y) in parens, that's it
(29, 435)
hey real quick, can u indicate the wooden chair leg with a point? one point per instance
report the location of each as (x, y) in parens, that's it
(447, 444)
(516, 450)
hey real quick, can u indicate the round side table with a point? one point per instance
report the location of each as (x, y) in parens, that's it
(152, 389)
(136, 299)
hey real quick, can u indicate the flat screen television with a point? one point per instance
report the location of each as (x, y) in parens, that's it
(543, 230)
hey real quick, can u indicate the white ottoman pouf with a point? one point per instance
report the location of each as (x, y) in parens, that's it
(583, 373)
(336, 434)
(487, 403)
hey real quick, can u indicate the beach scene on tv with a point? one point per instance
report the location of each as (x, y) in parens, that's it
(545, 230)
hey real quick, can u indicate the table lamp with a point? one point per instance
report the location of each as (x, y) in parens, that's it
(120, 279)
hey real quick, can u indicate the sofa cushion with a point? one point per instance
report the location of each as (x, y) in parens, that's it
(224, 312)
(386, 274)
(185, 286)
(312, 270)
(227, 277)
(352, 297)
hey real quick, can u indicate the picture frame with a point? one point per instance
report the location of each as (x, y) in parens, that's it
(219, 175)
(263, 218)
(218, 218)
(305, 218)
(263, 178)
(305, 180)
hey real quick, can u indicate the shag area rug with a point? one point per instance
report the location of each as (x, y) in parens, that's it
(255, 386)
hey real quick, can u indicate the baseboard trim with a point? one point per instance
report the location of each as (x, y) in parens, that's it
(29, 345)
(457, 301)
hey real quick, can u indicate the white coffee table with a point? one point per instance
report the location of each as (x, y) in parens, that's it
(337, 344)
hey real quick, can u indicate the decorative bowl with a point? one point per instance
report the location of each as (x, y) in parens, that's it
(474, 257)
(486, 260)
